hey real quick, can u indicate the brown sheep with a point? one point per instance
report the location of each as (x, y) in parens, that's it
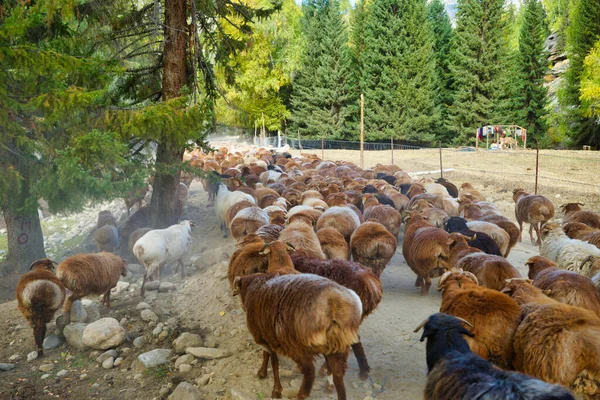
(39, 294)
(565, 286)
(247, 221)
(533, 209)
(556, 342)
(494, 315)
(107, 238)
(105, 217)
(247, 259)
(343, 219)
(139, 219)
(387, 216)
(508, 226)
(491, 271)
(300, 234)
(333, 244)
(583, 232)
(90, 274)
(234, 209)
(269, 232)
(425, 249)
(301, 316)
(279, 259)
(574, 213)
(467, 189)
(373, 246)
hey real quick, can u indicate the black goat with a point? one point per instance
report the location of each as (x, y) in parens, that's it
(457, 373)
(483, 241)
(450, 187)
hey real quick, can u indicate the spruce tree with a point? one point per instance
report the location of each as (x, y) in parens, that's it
(324, 90)
(531, 61)
(583, 32)
(442, 32)
(478, 67)
(399, 71)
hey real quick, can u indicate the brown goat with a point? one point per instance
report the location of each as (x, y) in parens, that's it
(373, 246)
(333, 244)
(565, 286)
(90, 274)
(533, 209)
(556, 342)
(491, 271)
(494, 315)
(425, 249)
(301, 316)
(39, 294)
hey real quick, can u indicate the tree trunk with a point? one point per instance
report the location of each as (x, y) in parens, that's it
(166, 180)
(25, 237)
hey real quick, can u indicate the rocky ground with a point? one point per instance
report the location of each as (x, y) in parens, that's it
(187, 338)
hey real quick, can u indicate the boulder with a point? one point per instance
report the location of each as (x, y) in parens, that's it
(143, 306)
(78, 312)
(186, 391)
(166, 286)
(184, 359)
(51, 342)
(208, 352)
(186, 340)
(104, 334)
(108, 363)
(6, 367)
(74, 335)
(148, 315)
(61, 322)
(139, 341)
(151, 359)
(93, 312)
(153, 285)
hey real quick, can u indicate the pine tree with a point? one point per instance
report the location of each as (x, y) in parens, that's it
(477, 66)
(442, 32)
(324, 91)
(582, 34)
(399, 71)
(531, 63)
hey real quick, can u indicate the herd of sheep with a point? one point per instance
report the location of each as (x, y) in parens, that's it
(314, 237)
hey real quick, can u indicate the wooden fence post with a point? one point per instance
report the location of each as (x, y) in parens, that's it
(362, 130)
(441, 166)
(537, 160)
(392, 141)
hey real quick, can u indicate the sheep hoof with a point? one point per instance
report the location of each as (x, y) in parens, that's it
(329, 388)
(261, 374)
(276, 394)
(40, 353)
(363, 375)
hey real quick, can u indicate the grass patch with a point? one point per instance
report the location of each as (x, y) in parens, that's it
(3, 246)
(162, 371)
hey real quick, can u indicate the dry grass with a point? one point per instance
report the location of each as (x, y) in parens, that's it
(565, 176)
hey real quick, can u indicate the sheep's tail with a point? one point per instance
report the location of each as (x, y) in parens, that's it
(346, 313)
(371, 294)
(544, 211)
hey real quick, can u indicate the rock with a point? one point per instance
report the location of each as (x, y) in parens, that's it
(236, 394)
(164, 391)
(153, 285)
(78, 313)
(46, 367)
(368, 398)
(151, 359)
(62, 372)
(289, 393)
(157, 330)
(108, 363)
(82, 376)
(51, 342)
(149, 316)
(184, 359)
(208, 353)
(136, 269)
(166, 286)
(172, 321)
(139, 341)
(14, 357)
(138, 376)
(143, 306)
(118, 361)
(104, 334)
(6, 367)
(121, 286)
(185, 368)
(74, 335)
(45, 376)
(94, 354)
(32, 356)
(186, 340)
(203, 380)
(163, 335)
(186, 391)
(93, 312)
(106, 355)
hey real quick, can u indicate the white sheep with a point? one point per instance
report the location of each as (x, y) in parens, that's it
(571, 254)
(161, 246)
(225, 200)
(499, 235)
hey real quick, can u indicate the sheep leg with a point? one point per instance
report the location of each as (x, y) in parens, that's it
(426, 286)
(262, 372)
(106, 299)
(143, 289)
(520, 231)
(224, 230)
(531, 233)
(308, 371)
(361, 358)
(182, 270)
(39, 332)
(277, 388)
(418, 282)
(323, 371)
(337, 366)
(537, 228)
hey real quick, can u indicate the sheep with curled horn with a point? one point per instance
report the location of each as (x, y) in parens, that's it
(456, 373)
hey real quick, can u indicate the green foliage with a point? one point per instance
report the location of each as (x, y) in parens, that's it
(478, 67)
(442, 32)
(532, 66)
(557, 13)
(398, 71)
(590, 83)
(324, 91)
(582, 34)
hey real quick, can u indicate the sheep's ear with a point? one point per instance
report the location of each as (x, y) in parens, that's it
(473, 237)
(290, 247)
(450, 241)
(237, 284)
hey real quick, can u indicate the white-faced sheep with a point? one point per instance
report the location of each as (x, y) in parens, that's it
(224, 200)
(90, 274)
(301, 316)
(161, 246)
(39, 295)
(571, 254)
